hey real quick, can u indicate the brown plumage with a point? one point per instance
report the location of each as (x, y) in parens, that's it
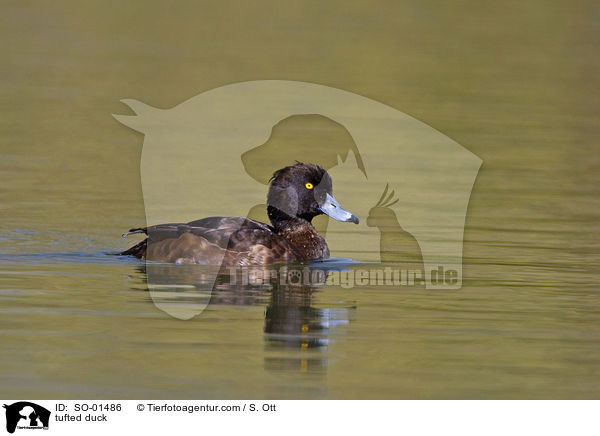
(297, 194)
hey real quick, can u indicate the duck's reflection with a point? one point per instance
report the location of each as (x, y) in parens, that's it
(296, 333)
(291, 322)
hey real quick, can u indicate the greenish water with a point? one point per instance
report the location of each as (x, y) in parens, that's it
(516, 84)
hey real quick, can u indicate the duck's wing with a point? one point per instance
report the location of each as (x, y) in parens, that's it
(217, 230)
(244, 240)
(226, 232)
(230, 222)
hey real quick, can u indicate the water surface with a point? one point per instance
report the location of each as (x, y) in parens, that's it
(517, 84)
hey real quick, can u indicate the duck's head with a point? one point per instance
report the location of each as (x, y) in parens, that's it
(303, 191)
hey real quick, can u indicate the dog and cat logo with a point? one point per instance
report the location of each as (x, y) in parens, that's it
(26, 415)
(246, 131)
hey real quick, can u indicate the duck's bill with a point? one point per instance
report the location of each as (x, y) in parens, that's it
(332, 208)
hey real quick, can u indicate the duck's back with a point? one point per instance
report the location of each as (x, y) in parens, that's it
(234, 241)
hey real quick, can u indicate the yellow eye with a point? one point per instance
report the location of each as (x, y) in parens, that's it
(309, 186)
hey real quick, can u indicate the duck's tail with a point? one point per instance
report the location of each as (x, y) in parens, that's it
(139, 249)
(135, 230)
